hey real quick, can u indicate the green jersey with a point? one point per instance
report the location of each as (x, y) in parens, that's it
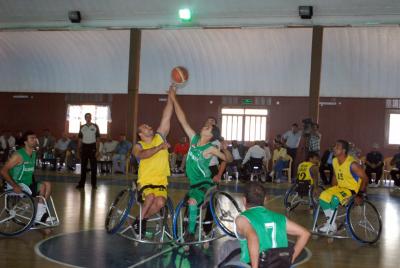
(22, 173)
(270, 228)
(197, 166)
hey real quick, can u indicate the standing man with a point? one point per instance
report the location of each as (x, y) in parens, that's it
(348, 178)
(292, 139)
(152, 154)
(88, 149)
(198, 162)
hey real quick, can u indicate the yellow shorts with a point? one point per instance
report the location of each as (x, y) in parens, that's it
(158, 192)
(343, 194)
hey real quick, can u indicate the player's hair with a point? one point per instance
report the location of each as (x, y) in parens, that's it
(88, 114)
(345, 145)
(312, 155)
(254, 193)
(24, 137)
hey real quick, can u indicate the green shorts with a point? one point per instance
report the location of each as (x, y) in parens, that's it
(198, 191)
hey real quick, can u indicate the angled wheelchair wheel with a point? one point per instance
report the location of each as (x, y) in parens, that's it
(364, 222)
(180, 220)
(224, 209)
(119, 210)
(158, 226)
(17, 214)
(292, 198)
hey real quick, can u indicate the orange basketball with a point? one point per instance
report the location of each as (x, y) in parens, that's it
(179, 75)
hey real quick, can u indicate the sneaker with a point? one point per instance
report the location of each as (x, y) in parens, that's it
(41, 214)
(332, 228)
(79, 186)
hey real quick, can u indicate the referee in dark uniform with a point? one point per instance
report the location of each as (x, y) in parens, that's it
(88, 148)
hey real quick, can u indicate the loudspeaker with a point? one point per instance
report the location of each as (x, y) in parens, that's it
(74, 16)
(306, 12)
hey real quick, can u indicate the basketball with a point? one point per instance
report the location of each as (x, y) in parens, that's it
(179, 75)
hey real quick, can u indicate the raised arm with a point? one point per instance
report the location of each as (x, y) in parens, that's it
(181, 115)
(166, 116)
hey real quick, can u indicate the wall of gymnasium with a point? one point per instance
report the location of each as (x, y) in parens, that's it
(361, 120)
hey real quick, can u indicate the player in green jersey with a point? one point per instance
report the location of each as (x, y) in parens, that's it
(19, 169)
(259, 229)
(198, 161)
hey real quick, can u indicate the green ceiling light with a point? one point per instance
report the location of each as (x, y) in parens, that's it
(185, 14)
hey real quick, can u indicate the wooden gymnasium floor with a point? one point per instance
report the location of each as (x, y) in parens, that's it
(82, 215)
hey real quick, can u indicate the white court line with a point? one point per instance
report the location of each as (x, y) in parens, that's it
(154, 256)
(38, 252)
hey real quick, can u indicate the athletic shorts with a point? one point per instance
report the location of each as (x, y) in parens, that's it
(343, 194)
(158, 192)
(198, 193)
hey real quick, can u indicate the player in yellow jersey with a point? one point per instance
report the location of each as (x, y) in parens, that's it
(348, 178)
(152, 153)
(308, 171)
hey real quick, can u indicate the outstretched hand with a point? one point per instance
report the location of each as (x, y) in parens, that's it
(172, 91)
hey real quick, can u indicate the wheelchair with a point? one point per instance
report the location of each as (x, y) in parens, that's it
(223, 209)
(18, 212)
(301, 193)
(362, 223)
(256, 169)
(126, 209)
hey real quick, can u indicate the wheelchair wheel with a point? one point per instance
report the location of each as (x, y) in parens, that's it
(180, 220)
(364, 222)
(119, 210)
(224, 209)
(17, 214)
(157, 230)
(292, 198)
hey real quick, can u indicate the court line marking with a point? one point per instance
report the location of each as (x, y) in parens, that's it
(154, 256)
(39, 253)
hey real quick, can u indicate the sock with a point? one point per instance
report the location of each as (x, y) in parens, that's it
(192, 218)
(41, 209)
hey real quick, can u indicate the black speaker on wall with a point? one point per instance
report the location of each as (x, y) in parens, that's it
(74, 16)
(306, 12)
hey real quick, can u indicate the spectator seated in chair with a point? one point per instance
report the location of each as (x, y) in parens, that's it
(178, 156)
(46, 149)
(121, 151)
(107, 149)
(70, 154)
(395, 172)
(61, 149)
(255, 157)
(280, 161)
(7, 143)
(374, 164)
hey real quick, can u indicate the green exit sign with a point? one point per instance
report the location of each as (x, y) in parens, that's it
(247, 101)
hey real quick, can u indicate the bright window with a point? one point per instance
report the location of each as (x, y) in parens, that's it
(394, 128)
(244, 124)
(76, 117)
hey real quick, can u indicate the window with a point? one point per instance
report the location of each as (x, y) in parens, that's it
(394, 128)
(244, 124)
(76, 117)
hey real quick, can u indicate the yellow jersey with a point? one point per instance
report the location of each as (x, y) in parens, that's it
(344, 176)
(155, 169)
(304, 172)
